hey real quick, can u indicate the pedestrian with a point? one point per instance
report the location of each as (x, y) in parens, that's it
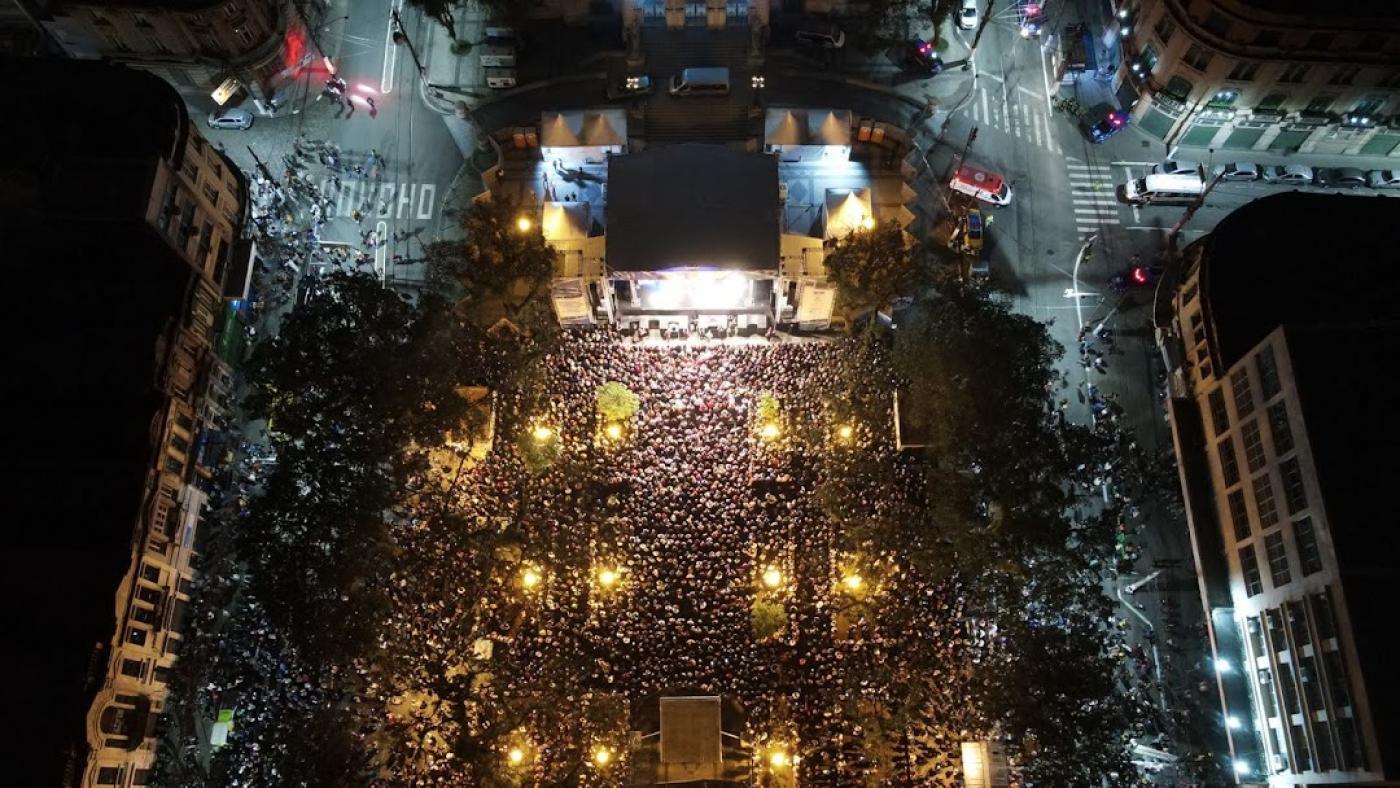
(350, 104)
(373, 110)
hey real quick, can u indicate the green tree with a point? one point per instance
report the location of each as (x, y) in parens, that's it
(873, 268)
(887, 21)
(501, 260)
(538, 454)
(616, 402)
(768, 617)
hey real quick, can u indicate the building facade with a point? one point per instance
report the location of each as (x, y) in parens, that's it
(146, 223)
(1280, 518)
(217, 53)
(1251, 75)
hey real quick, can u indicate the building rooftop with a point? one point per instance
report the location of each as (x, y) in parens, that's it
(692, 206)
(1337, 267)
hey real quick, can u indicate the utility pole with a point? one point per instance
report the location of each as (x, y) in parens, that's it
(263, 167)
(401, 37)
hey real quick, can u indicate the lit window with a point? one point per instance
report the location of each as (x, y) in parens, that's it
(1278, 559)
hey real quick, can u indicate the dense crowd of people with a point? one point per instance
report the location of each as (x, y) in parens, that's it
(544, 612)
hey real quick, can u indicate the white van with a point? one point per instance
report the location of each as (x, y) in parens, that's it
(1164, 190)
(981, 185)
(701, 82)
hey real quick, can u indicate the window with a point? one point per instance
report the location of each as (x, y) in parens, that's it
(183, 446)
(1239, 384)
(1273, 101)
(1297, 72)
(144, 615)
(1278, 559)
(245, 35)
(1149, 58)
(1178, 88)
(1305, 536)
(1239, 515)
(1321, 40)
(173, 465)
(1322, 615)
(1198, 57)
(1243, 71)
(150, 573)
(1223, 99)
(107, 775)
(184, 422)
(1278, 427)
(1219, 417)
(1369, 105)
(1293, 490)
(1321, 103)
(1229, 465)
(1267, 38)
(1249, 568)
(1217, 24)
(1264, 502)
(1253, 445)
(151, 596)
(1267, 368)
(1164, 29)
(133, 668)
(136, 635)
(1345, 75)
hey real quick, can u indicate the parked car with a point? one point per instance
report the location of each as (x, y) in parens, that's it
(1103, 121)
(1341, 178)
(1383, 179)
(631, 86)
(967, 14)
(924, 57)
(823, 35)
(972, 238)
(1178, 167)
(230, 119)
(1238, 171)
(1288, 174)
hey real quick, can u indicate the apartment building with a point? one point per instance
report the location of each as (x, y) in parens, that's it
(215, 52)
(1286, 445)
(122, 248)
(1263, 75)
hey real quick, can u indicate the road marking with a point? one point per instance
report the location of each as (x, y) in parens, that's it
(1134, 163)
(1045, 79)
(1035, 130)
(993, 77)
(381, 251)
(1028, 91)
(391, 52)
(986, 116)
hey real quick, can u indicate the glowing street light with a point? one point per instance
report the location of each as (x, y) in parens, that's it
(779, 759)
(516, 756)
(772, 577)
(602, 756)
(1233, 723)
(613, 430)
(542, 433)
(853, 582)
(607, 578)
(868, 223)
(770, 431)
(1241, 767)
(523, 224)
(530, 578)
(1223, 666)
(845, 432)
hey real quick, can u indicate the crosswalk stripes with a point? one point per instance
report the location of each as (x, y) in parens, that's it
(1018, 118)
(1092, 195)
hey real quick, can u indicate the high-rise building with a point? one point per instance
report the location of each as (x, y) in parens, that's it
(121, 232)
(1282, 420)
(1263, 75)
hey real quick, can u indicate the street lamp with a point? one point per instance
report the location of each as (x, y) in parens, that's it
(516, 756)
(542, 433)
(613, 430)
(779, 759)
(853, 582)
(772, 577)
(602, 756)
(868, 223)
(770, 431)
(530, 578)
(523, 224)
(607, 578)
(845, 432)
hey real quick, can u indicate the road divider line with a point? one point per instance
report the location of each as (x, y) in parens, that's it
(391, 52)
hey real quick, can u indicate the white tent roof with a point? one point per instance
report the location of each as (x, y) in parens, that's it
(846, 209)
(561, 129)
(829, 127)
(605, 127)
(782, 127)
(592, 128)
(565, 221)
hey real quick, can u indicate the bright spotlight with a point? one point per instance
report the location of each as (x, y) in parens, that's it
(1241, 767)
(1223, 666)
(602, 756)
(853, 582)
(772, 577)
(516, 756)
(530, 578)
(607, 578)
(770, 431)
(845, 432)
(778, 759)
(523, 224)
(868, 223)
(613, 430)
(542, 433)
(1233, 723)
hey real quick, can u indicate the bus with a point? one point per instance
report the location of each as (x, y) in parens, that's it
(1164, 190)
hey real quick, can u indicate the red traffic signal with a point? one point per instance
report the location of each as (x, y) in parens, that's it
(1140, 275)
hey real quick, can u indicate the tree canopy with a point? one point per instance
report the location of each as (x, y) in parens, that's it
(501, 259)
(873, 268)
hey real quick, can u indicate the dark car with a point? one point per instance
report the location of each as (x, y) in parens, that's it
(631, 86)
(1103, 121)
(1341, 178)
(924, 57)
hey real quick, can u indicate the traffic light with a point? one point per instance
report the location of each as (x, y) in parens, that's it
(1140, 275)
